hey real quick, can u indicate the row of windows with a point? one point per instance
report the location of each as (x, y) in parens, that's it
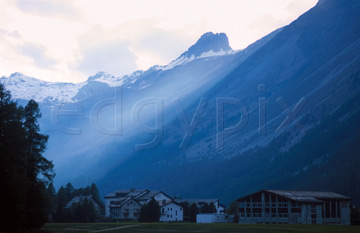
(259, 215)
(267, 205)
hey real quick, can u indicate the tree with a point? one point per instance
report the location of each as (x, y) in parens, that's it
(38, 170)
(208, 208)
(212, 208)
(193, 211)
(24, 172)
(150, 212)
(61, 200)
(186, 212)
(95, 193)
(35, 146)
(234, 209)
(11, 164)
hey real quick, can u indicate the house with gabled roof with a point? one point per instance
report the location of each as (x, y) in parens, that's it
(126, 204)
(171, 212)
(294, 207)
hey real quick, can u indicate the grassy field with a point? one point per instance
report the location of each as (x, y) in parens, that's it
(192, 227)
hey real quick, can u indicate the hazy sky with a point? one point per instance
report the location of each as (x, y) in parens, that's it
(69, 40)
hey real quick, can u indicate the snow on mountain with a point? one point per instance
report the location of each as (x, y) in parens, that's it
(113, 81)
(24, 87)
(209, 45)
(209, 41)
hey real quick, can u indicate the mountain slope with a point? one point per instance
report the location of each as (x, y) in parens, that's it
(289, 82)
(312, 64)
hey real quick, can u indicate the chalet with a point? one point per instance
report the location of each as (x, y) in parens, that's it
(220, 209)
(294, 207)
(171, 212)
(126, 204)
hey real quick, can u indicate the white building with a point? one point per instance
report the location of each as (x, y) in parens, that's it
(126, 204)
(171, 212)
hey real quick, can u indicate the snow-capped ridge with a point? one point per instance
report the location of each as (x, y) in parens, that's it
(208, 41)
(25, 87)
(209, 45)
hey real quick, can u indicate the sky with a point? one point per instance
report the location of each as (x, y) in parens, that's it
(70, 40)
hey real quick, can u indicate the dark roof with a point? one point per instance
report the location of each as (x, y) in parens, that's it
(126, 193)
(148, 195)
(139, 195)
(304, 196)
(121, 201)
(174, 202)
(197, 201)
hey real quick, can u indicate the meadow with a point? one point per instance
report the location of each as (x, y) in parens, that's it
(133, 227)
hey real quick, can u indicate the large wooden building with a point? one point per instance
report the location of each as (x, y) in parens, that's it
(294, 207)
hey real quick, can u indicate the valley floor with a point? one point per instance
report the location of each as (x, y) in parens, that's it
(191, 227)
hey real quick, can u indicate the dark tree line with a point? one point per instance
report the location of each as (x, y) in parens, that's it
(150, 212)
(84, 211)
(190, 211)
(25, 175)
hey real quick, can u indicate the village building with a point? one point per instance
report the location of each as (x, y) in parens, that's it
(171, 212)
(294, 207)
(126, 205)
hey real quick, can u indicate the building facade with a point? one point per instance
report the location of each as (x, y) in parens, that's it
(126, 205)
(294, 207)
(171, 212)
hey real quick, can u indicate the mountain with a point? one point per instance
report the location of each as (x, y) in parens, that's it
(280, 114)
(215, 43)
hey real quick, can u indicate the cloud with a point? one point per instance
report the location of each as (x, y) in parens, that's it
(46, 7)
(38, 54)
(113, 57)
(68, 40)
(165, 45)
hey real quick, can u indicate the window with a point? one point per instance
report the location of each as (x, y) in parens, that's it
(167, 215)
(163, 210)
(283, 205)
(168, 209)
(175, 212)
(313, 209)
(295, 205)
(171, 209)
(257, 205)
